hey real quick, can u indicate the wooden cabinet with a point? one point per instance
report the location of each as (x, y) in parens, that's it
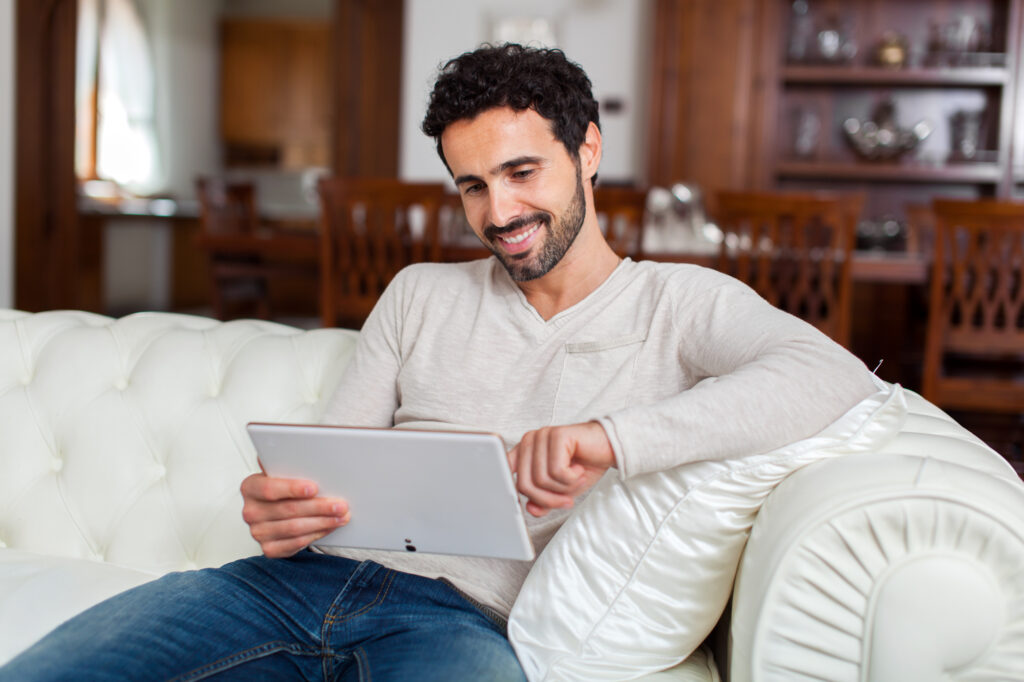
(1017, 124)
(275, 92)
(952, 66)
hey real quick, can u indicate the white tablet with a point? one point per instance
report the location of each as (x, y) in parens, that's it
(441, 492)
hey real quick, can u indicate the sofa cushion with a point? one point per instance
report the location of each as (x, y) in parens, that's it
(640, 574)
(39, 592)
(124, 439)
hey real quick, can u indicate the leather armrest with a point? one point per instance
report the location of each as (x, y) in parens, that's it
(883, 567)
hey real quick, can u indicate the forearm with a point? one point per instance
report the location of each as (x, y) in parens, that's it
(771, 380)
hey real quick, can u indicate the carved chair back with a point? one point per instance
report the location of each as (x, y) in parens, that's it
(794, 250)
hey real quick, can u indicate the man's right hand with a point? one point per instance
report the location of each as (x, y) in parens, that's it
(285, 516)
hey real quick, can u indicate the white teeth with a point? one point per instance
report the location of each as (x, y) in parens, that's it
(524, 235)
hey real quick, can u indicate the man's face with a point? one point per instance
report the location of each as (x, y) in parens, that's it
(522, 192)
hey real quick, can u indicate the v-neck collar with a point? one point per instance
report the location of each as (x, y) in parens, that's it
(522, 308)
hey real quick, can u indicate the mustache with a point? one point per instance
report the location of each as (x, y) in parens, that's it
(493, 231)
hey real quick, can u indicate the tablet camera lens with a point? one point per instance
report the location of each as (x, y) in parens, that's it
(410, 548)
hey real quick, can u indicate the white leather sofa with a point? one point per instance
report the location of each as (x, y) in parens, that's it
(122, 445)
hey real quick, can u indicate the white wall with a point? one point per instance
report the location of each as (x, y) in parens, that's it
(185, 58)
(608, 38)
(6, 153)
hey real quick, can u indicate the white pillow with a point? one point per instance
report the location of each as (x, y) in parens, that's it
(640, 574)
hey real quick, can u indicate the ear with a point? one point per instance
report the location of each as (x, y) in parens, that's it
(590, 152)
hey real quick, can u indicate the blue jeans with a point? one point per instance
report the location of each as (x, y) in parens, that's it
(309, 617)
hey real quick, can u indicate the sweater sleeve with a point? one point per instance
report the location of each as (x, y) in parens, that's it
(767, 379)
(367, 394)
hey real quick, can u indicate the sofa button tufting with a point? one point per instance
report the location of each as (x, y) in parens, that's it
(161, 471)
(56, 464)
(121, 384)
(191, 565)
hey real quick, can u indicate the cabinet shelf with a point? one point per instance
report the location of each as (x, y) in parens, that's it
(899, 172)
(970, 89)
(877, 76)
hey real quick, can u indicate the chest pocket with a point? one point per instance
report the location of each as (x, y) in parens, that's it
(597, 378)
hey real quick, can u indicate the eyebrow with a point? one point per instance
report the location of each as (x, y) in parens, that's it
(504, 166)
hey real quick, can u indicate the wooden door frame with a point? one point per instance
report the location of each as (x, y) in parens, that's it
(707, 89)
(367, 86)
(46, 237)
(58, 256)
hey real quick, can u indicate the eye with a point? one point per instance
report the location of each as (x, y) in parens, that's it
(523, 174)
(473, 189)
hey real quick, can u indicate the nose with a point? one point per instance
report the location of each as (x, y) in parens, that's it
(504, 207)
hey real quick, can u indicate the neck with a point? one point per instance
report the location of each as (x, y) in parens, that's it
(585, 266)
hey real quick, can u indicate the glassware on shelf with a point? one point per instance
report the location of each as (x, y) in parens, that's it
(965, 133)
(809, 42)
(806, 133)
(834, 43)
(801, 32)
(966, 41)
(880, 138)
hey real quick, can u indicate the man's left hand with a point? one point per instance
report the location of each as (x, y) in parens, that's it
(556, 463)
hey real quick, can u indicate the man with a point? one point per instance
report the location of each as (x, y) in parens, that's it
(582, 361)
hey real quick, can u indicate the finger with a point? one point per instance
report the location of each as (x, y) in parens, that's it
(531, 461)
(523, 460)
(280, 549)
(538, 511)
(263, 487)
(257, 511)
(561, 450)
(277, 531)
(547, 457)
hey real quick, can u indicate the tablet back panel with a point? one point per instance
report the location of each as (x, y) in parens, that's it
(422, 491)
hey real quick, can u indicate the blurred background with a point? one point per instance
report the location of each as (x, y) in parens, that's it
(111, 111)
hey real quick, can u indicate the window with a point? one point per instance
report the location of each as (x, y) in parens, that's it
(115, 126)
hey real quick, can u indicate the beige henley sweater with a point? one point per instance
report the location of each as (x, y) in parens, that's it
(459, 344)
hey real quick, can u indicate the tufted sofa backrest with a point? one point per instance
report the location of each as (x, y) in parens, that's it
(123, 440)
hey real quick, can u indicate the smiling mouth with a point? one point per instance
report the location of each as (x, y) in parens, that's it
(519, 238)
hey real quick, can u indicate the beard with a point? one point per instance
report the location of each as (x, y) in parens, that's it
(561, 233)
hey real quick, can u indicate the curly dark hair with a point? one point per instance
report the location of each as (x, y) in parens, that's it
(518, 77)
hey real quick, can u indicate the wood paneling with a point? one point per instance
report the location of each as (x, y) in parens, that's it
(367, 60)
(48, 245)
(705, 90)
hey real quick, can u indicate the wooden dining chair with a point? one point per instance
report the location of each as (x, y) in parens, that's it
(244, 255)
(795, 250)
(227, 216)
(974, 344)
(620, 212)
(370, 229)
